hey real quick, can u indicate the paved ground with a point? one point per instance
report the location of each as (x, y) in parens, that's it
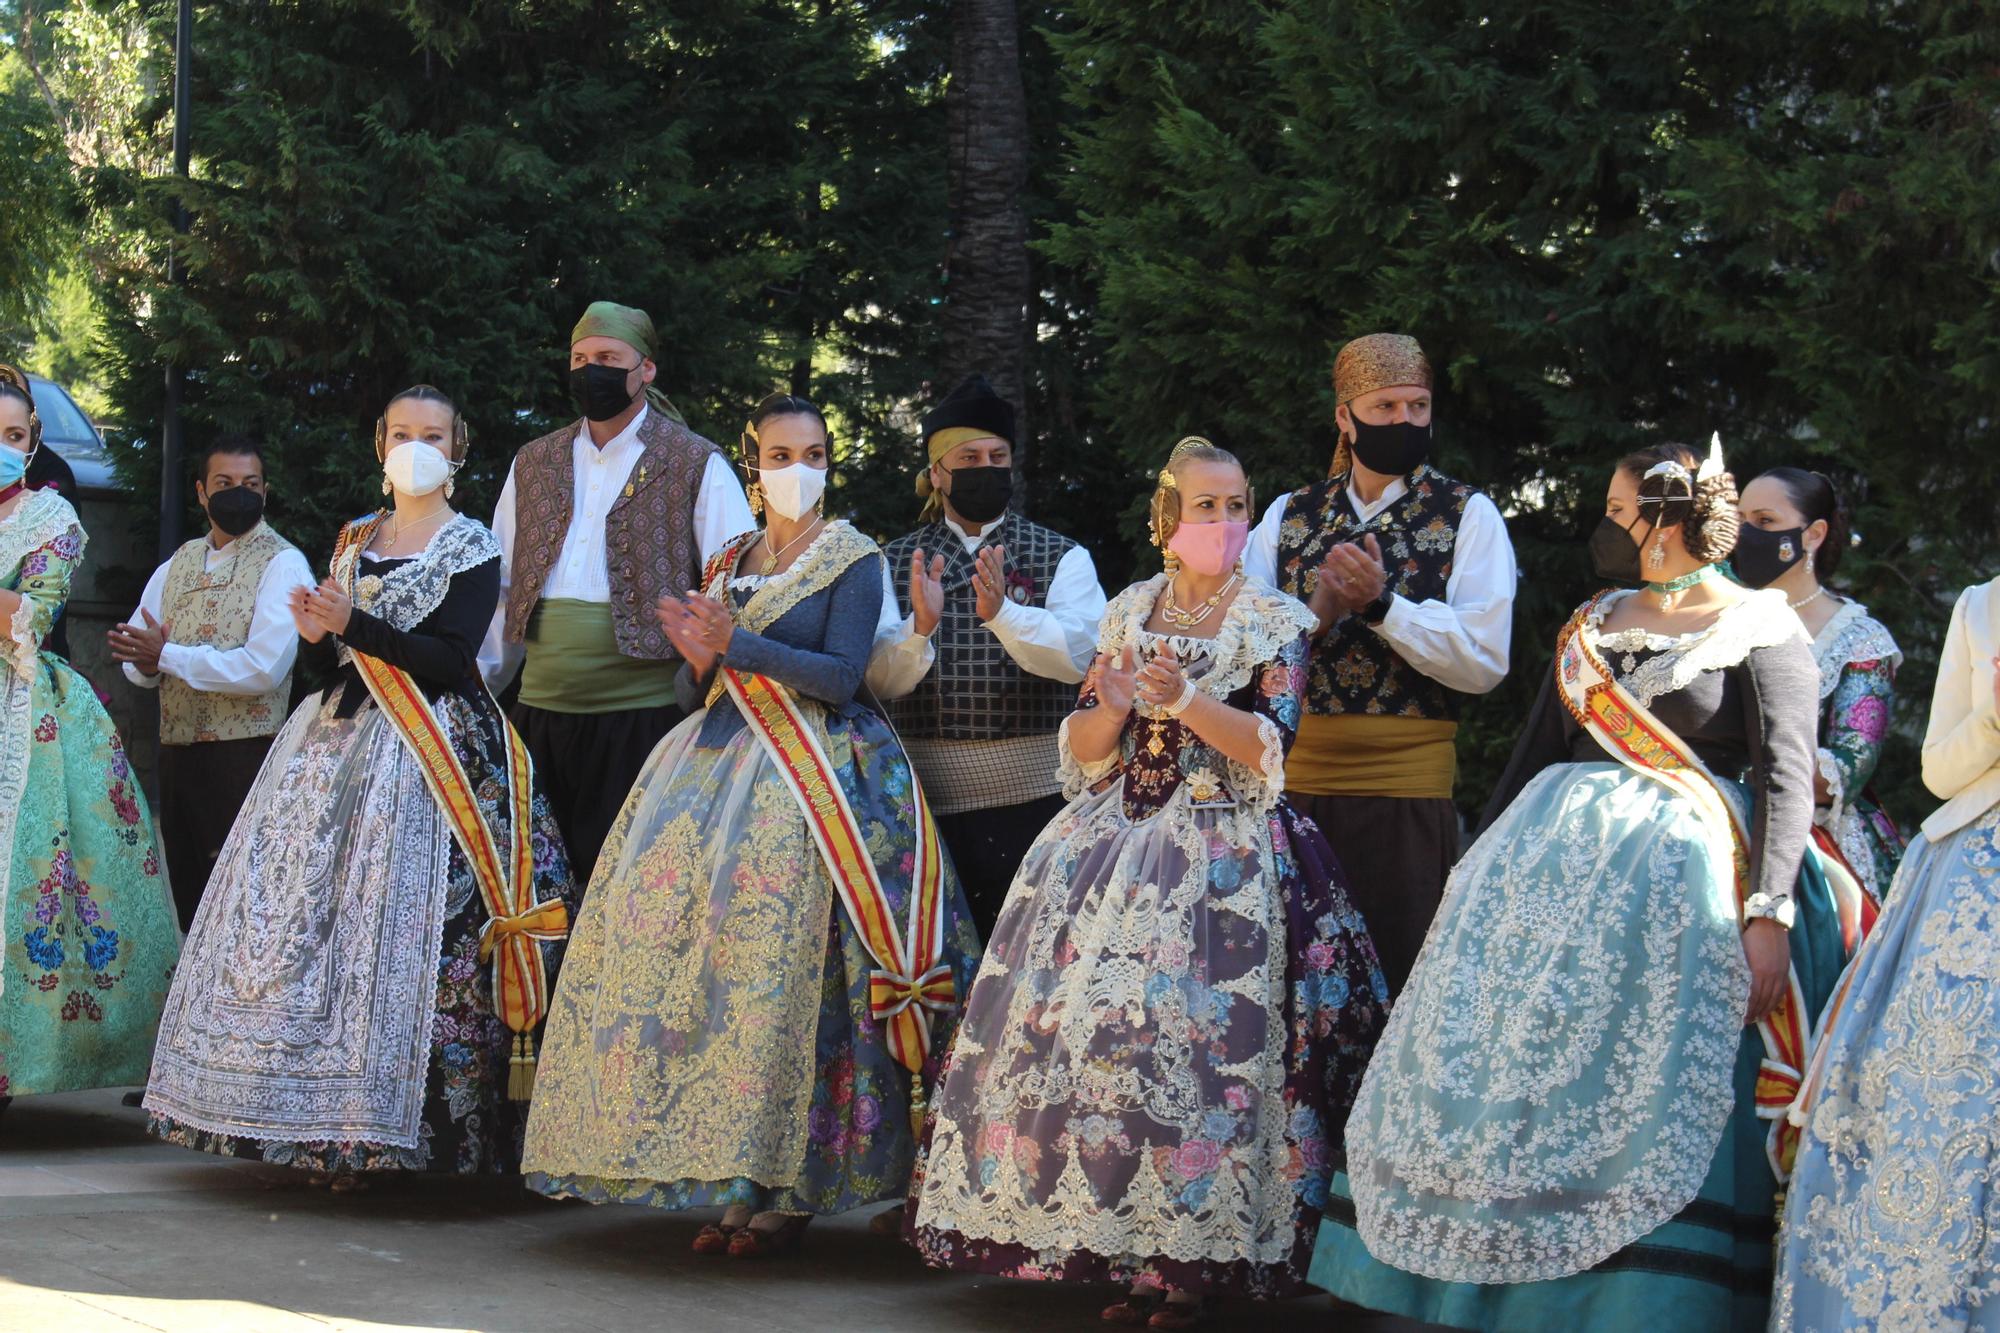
(102, 1228)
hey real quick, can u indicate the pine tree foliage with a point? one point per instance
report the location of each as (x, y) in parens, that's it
(1609, 225)
(387, 193)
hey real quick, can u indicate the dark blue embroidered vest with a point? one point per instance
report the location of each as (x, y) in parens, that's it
(976, 692)
(1354, 670)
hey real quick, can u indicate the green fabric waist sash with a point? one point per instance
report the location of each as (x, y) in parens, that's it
(574, 666)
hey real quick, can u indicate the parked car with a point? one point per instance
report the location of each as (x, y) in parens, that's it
(67, 431)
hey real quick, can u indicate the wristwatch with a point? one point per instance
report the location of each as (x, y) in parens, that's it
(1377, 610)
(1767, 907)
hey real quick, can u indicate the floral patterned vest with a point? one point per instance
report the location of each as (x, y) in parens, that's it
(213, 608)
(976, 692)
(1354, 670)
(649, 538)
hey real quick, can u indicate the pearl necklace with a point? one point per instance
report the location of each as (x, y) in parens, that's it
(1173, 615)
(1808, 600)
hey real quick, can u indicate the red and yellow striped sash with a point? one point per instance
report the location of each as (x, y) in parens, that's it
(506, 877)
(911, 980)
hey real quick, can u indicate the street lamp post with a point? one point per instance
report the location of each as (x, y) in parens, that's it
(172, 490)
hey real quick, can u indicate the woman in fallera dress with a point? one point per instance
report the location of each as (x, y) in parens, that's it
(1178, 998)
(90, 934)
(774, 943)
(361, 982)
(1892, 1220)
(1793, 537)
(1575, 1119)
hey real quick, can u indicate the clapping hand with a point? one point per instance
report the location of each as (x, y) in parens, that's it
(989, 583)
(1351, 577)
(320, 611)
(926, 592)
(1116, 680)
(140, 647)
(699, 628)
(1160, 681)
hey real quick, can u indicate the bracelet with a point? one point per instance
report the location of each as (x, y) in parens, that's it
(1180, 705)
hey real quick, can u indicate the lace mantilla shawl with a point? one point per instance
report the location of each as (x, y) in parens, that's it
(1763, 619)
(1257, 626)
(406, 595)
(1851, 636)
(836, 548)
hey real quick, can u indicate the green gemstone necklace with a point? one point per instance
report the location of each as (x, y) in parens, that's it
(1670, 591)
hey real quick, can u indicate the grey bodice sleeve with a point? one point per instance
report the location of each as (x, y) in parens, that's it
(831, 672)
(1780, 691)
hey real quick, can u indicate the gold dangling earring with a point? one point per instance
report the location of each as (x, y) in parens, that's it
(387, 489)
(450, 488)
(755, 494)
(1172, 563)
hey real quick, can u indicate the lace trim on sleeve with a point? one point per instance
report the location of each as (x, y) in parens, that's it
(1258, 789)
(1852, 636)
(1076, 776)
(1828, 815)
(43, 519)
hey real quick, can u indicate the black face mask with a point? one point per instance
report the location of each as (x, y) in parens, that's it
(1762, 556)
(981, 494)
(235, 510)
(599, 391)
(1396, 450)
(1614, 553)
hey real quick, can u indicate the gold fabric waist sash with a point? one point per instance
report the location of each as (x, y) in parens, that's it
(574, 666)
(1369, 754)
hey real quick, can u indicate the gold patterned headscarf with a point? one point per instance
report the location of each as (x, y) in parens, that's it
(1370, 362)
(1379, 361)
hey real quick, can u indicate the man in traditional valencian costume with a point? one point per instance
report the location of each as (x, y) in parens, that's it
(214, 635)
(1411, 577)
(999, 626)
(596, 523)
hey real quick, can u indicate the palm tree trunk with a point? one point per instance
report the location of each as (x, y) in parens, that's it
(986, 265)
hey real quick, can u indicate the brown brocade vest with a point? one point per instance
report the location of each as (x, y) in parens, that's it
(649, 538)
(213, 608)
(1353, 669)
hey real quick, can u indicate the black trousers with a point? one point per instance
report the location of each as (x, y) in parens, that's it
(1397, 852)
(587, 763)
(986, 848)
(202, 787)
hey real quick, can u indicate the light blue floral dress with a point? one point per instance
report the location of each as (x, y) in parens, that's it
(90, 934)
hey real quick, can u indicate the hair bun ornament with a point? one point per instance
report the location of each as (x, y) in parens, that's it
(1711, 467)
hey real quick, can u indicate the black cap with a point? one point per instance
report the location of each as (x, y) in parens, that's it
(973, 403)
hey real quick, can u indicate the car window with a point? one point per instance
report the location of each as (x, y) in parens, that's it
(61, 421)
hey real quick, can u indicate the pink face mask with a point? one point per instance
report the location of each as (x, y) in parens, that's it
(1210, 548)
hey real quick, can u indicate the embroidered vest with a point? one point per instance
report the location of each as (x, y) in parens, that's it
(650, 547)
(976, 691)
(1354, 670)
(213, 608)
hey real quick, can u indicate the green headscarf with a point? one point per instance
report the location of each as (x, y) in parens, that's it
(634, 328)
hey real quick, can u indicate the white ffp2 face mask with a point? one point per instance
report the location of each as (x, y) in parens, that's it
(793, 491)
(416, 467)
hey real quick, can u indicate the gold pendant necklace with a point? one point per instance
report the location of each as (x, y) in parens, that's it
(771, 560)
(1173, 615)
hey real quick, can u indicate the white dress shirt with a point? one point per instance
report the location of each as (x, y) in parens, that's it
(581, 572)
(1462, 641)
(1056, 640)
(265, 658)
